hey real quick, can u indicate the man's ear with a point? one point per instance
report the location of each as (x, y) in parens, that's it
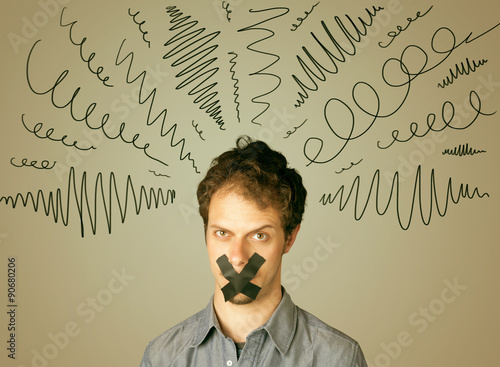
(291, 239)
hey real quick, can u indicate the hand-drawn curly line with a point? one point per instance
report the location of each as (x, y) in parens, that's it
(348, 168)
(163, 114)
(54, 205)
(461, 70)
(140, 27)
(48, 135)
(24, 163)
(336, 55)
(462, 150)
(196, 69)
(289, 132)
(417, 190)
(158, 174)
(254, 27)
(236, 81)
(198, 131)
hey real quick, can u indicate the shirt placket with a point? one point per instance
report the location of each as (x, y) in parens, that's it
(230, 358)
(250, 357)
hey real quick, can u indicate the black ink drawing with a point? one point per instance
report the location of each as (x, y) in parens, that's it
(289, 132)
(300, 19)
(371, 104)
(197, 69)
(24, 163)
(394, 34)
(88, 111)
(463, 192)
(446, 117)
(163, 114)
(462, 150)
(199, 132)
(337, 53)
(348, 168)
(159, 174)
(461, 70)
(48, 135)
(87, 60)
(140, 26)
(225, 6)
(54, 205)
(281, 11)
(235, 85)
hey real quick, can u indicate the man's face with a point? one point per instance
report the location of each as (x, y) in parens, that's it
(238, 228)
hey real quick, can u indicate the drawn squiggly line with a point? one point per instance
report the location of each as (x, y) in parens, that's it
(348, 168)
(48, 135)
(158, 174)
(360, 32)
(53, 203)
(301, 20)
(254, 27)
(417, 190)
(462, 150)
(162, 114)
(461, 70)
(290, 132)
(235, 85)
(24, 163)
(200, 132)
(197, 68)
(140, 27)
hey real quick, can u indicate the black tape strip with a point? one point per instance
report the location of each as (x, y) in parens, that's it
(240, 282)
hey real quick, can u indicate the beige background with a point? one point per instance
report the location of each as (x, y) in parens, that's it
(425, 296)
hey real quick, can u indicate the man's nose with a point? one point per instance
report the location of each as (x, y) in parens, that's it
(239, 253)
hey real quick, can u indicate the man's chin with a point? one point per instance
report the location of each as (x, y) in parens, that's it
(240, 299)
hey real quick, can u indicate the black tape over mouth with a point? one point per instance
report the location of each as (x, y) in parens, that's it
(240, 282)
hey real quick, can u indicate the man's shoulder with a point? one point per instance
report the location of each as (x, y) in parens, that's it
(326, 340)
(172, 341)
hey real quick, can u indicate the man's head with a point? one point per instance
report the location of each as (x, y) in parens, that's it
(259, 174)
(252, 205)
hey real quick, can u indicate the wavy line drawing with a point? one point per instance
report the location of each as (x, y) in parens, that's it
(348, 168)
(140, 26)
(53, 203)
(195, 71)
(461, 70)
(235, 85)
(290, 132)
(44, 164)
(255, 27)
(336, 55)
(462, 150)
(158, 174)
(199, 132)
(463, 192)
(162, 114)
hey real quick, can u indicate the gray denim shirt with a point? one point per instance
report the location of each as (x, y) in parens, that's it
(291, 337)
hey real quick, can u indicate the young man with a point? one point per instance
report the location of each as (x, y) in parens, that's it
(252, 206)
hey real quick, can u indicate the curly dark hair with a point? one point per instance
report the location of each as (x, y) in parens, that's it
(261, 175)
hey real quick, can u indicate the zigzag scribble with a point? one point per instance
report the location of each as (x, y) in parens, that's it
(463, 192)
(53, 203)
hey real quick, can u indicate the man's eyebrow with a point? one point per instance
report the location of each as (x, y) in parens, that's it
(222, 228)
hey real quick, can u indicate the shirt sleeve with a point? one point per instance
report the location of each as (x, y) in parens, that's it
(146, 360)
(358, 358)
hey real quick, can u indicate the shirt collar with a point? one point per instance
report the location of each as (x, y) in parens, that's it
(281, 325)
(206, 320)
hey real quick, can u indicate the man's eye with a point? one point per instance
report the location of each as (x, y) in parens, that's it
(221, 233)
(259, 236)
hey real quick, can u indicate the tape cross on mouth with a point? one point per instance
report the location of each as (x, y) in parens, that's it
(240, 282)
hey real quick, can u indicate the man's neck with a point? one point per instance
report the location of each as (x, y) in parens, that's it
(237, 321)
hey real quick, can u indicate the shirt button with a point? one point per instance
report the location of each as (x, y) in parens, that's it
(229, 363)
